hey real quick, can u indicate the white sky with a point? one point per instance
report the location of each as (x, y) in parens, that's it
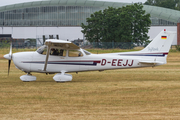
(9, 2)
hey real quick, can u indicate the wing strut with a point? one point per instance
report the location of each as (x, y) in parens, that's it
(47, 56)
(60, 44)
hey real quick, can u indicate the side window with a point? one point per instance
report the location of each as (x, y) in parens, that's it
(45, 51)
(58, 52)
(62, 53)
(74, 53)
(54, 51)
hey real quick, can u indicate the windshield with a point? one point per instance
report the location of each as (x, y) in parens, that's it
(86, 52)
(42, 50)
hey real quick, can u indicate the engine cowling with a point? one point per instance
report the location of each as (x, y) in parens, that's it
(62, 77)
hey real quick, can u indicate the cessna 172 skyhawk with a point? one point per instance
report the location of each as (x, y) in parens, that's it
(61, 57)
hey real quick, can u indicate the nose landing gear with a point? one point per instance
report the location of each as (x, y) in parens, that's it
(28, 77)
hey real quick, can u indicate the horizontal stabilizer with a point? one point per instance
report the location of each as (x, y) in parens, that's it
(151, 62)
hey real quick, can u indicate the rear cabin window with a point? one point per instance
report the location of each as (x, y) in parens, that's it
(74, 53)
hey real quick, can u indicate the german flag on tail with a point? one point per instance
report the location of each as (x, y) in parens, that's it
(163, 37)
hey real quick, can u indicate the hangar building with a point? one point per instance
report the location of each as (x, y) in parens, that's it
(64, 17)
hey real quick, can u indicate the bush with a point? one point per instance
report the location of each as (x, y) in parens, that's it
(177, 47)
(4, 44)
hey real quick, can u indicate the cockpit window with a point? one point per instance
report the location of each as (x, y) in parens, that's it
(86, 52)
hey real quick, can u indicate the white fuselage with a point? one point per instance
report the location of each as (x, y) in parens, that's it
(34, 62)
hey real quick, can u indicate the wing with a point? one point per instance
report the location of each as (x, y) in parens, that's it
(58, 44)
(61, 44)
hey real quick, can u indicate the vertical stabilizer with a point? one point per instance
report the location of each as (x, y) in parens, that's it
(161, 43)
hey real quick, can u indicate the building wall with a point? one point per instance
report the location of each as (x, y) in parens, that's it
(64, 33)
(70, 33)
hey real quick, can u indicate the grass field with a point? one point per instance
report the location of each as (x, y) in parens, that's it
(145, 93)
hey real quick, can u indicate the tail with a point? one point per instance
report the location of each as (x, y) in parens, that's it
(156, 52)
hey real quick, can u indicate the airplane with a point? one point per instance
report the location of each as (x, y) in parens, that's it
(62, 57)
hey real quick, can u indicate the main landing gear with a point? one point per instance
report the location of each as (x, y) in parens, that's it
(62, 77)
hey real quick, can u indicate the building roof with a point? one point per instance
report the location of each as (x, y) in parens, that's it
(157, 12)
(163, 13)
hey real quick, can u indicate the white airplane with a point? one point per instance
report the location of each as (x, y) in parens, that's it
(61, 57)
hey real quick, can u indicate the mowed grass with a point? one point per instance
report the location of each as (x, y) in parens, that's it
(143, 93)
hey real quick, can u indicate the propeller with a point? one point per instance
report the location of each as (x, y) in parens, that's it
(9, 57)
(9, 66)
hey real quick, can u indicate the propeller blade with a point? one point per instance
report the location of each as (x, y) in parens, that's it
(9, 61)
(10, 52)
(9, 66)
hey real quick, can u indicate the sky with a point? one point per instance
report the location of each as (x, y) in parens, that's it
(9, 2)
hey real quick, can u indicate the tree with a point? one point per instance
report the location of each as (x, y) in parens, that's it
(177, 6)
(171, 4)
(126, 24)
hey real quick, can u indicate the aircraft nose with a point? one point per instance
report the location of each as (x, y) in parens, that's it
(7, 56)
